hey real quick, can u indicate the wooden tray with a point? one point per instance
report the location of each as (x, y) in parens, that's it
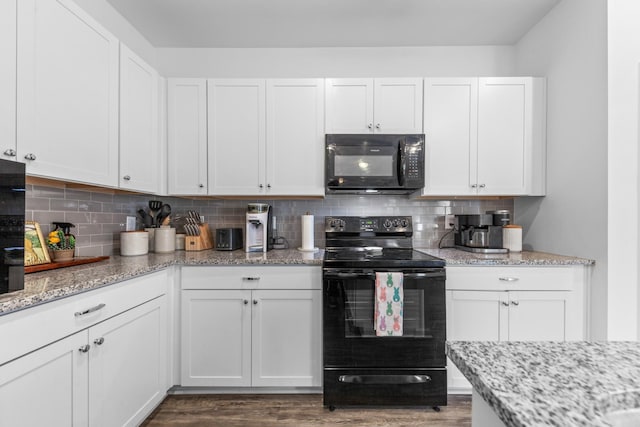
(53, 265)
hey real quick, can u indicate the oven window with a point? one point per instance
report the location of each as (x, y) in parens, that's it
(359, 314)
(380, 165)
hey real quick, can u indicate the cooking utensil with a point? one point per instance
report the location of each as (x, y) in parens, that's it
(147, 220)
(165, 211)
(155, 206)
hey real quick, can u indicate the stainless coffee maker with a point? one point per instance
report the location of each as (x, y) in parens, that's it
(481, 233)
(258, 228)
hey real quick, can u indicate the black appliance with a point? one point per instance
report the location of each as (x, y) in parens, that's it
(481, 233)
(374, 164)
(12, 208)
(361, 368)
(228, 239)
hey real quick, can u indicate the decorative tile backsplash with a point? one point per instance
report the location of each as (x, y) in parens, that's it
(99, 217)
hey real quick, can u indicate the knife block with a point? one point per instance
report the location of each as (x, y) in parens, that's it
(201, 242)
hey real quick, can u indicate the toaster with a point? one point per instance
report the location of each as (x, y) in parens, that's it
(228, 239)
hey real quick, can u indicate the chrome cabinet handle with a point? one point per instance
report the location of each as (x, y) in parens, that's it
(515, 303)
(251, 278)
(90, 310)
(378, 126)
(482, 185)
(245, 301)
(508, 279)
(10, 152)
(474, 186)
(261, 186)
(99, 341)
(126, 178)
(30, 156)
(255, 302)
(506, 304)
(201, 185)
(268, 185)
(370, 125)
(85, 348)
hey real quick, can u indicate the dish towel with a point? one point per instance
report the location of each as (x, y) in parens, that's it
(389, 304)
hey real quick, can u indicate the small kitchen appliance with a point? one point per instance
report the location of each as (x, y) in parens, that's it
(258, 234)
(374, 163)
(481, 233)
(228, 239)
(366, 363)
(12, 213)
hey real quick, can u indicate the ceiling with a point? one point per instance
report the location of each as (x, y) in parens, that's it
(331, 23)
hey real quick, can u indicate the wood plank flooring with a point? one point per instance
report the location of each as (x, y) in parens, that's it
(300, 410)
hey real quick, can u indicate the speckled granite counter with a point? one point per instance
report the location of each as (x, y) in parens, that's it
(458, 257)
(551, 383)
(54, 284)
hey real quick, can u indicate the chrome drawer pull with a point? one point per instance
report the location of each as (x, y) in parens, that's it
(515, 303)
(251, 278)
(508, 279)
(85, 348)
(90, 310)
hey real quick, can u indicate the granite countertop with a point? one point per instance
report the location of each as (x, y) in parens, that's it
(552, 383)
(527, 258)
(55, 284)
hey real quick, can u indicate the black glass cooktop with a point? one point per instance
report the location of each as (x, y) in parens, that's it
(363, 257)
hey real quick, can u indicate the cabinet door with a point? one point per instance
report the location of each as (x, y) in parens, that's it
(474, 316)
(67, 117)
(47, 387)
(236, 137)
(128, 365)
(349, 105)
(397, 105)
(450, 126)
(216, 338)
(538, 316)
(187, 136)
(504, 131)
(286, 339)
(8, 79)
(295, 137)
(139, 142)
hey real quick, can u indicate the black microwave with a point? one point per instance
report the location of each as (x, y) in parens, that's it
(374, 163)
(12, 208)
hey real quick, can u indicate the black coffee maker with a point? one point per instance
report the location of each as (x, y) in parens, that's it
(481, 233)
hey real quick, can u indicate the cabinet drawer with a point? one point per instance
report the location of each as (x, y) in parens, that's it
(252, 277)
(32, 328)
(506, 278)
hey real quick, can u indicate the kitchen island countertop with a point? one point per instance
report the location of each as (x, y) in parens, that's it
(551, 383)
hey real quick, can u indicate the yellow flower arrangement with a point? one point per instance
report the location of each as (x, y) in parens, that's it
(58, 241)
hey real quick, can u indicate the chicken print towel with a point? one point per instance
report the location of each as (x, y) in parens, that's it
(388, 306)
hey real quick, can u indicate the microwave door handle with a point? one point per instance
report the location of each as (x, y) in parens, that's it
(401, 163)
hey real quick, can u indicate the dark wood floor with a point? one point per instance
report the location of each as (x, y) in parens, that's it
(296, 410)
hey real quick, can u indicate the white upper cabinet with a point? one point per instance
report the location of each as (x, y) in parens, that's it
(385, 105)
(139, 141)
(266, 137)
(236, 136)
(484, 136)
(8, 18)
(295, 137)
(67, 95)
(187, 136)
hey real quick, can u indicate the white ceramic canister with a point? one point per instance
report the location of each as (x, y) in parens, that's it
(180, 241)
(165, 239)
(512, 238)
(134, 243)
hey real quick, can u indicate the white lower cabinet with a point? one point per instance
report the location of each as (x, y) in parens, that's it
(251, 334)
(513, 304)
(112, 373)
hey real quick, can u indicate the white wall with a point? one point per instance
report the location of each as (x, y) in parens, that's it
(568, 46)
(337, 62)
(624, 60)
(109, 18)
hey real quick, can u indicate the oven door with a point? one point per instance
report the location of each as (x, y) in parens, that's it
(349, 336)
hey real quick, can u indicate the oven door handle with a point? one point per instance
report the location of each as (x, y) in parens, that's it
(384, 379)
(422, 275)
(343, 275)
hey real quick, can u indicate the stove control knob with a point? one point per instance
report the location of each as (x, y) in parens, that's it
(404, 223)
(341, 223)
(386, 223)
(396, 223)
